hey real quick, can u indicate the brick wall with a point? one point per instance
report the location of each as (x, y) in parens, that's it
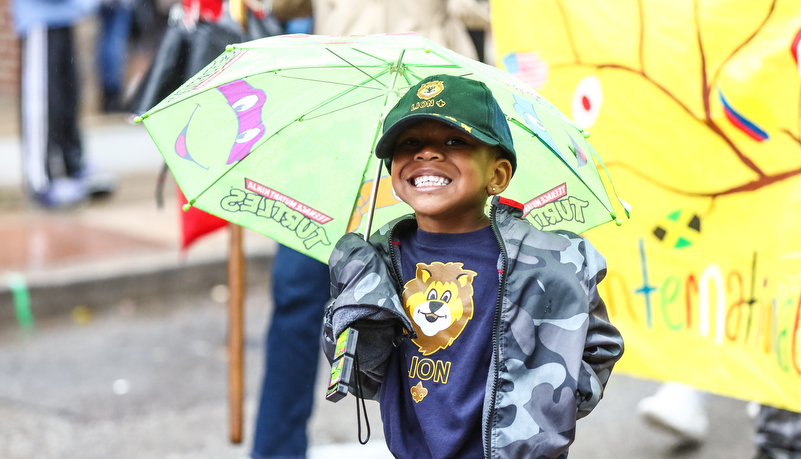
(9, 52)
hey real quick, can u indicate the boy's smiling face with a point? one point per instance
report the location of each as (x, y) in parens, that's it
(446, 175)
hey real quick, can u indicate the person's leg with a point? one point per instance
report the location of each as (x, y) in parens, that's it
(292, 350)
(778, 434)
(48, 103)
(33, 111)
(112, 52)
(63, 97)
(677, 408)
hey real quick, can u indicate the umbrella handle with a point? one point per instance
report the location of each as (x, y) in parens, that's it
(373, 195)
(236, 288)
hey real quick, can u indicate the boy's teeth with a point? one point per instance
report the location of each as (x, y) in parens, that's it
(430, 180)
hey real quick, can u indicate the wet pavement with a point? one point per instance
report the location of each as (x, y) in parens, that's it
(126, 356)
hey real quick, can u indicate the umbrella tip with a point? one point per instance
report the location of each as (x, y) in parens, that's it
(427, 49)
(618, 222)
(137, 119)
(186, 207)
(586, 134)
(229, 48)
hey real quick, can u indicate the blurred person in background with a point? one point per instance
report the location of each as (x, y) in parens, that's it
(295, 16)
(680, 409)
(300, 290)
(778, 434)
(478, 28)
(441, 21)
(116, 17)
(55, 173)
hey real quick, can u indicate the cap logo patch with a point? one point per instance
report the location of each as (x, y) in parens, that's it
(430, 89)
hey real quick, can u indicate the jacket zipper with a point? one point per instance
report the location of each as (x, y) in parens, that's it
(398, 278)
(392, 257)
(496, 345)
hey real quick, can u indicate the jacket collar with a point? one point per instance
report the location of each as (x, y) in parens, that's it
(507, 206)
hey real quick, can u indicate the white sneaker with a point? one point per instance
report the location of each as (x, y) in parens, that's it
(677, 408)
(62, 193)
(97, 184)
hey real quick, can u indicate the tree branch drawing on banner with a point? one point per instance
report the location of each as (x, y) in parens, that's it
(717, 109)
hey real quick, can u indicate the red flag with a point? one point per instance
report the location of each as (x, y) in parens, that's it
(195, 223)
(204, 10)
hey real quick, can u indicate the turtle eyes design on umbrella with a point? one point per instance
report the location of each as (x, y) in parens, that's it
(246, 102)
(248, 135)
(587, 100)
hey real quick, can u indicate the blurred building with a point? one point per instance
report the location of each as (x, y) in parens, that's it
(9, 52)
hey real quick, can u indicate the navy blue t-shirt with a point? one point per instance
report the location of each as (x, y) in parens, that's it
(432, 394)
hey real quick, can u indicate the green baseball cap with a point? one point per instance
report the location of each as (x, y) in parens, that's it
(463, 103)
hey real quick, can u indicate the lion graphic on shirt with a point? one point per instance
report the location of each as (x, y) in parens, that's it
(439, 302)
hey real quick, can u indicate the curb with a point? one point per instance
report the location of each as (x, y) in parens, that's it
(55, 294)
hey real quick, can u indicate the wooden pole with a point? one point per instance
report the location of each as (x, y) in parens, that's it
(236, 288)
(236, 316)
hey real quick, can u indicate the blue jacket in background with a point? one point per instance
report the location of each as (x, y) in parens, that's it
(50, 13)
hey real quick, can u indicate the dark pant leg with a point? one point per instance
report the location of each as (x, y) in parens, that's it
(779, 431)
(63, 99)
(300, 292)
(112, 49)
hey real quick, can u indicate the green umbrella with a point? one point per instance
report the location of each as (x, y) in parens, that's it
(277, 135)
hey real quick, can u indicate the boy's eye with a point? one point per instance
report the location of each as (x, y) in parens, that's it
(408, 142)
(456, 142)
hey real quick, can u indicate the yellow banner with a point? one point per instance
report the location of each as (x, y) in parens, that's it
(695, 108)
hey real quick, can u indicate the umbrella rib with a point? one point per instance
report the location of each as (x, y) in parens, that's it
(304, 118)
(435, 66)
(408, 70)
(397, 69)
(355, 67)
(341, 94)
(370, 55)
(597, 157)
(351, 85)
(195, 92)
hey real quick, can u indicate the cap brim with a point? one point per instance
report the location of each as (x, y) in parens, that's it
(386, 144)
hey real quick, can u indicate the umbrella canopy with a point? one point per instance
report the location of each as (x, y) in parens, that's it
(278, 135)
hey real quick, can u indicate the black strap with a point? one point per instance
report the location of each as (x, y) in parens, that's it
(160, 186)
(363, 405)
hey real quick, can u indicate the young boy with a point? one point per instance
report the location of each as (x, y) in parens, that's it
(486, 337)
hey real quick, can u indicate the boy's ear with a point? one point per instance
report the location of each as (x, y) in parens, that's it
(502, 174)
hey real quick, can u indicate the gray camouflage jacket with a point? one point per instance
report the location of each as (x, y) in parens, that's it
(554, 347)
